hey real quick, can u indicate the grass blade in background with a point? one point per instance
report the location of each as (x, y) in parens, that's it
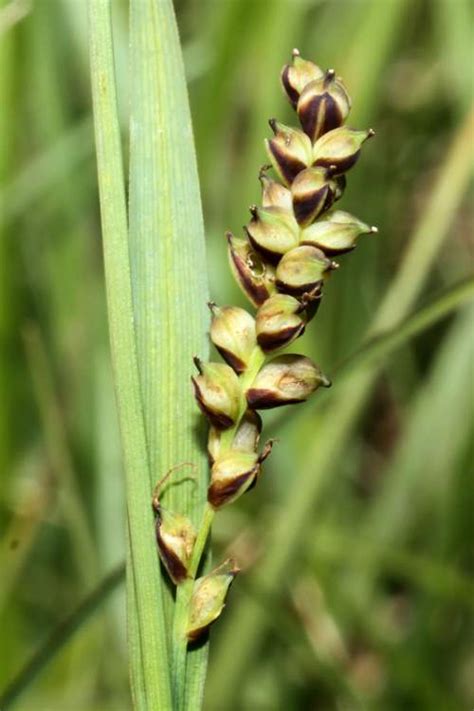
(146, 628)
(169, 274)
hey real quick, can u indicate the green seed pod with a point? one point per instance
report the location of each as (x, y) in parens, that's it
(217, 391)
(274, 194)
(286, 380)
(302, 270)
(233, 473)
(175, 536)
(295, 76)
(254, 276)
(272, 231)
(336, 232)
(233, 334)
(290, 151)
(312, 192)
(245, 439)
(208, 599)
(323, 105)
(340, 148)
(279, 321)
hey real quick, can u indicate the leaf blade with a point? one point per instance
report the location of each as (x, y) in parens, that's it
(149, 653)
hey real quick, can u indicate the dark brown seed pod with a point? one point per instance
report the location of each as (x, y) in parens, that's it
(255, 277)
(286, 380)
(302, 270)
(312, 191)
(273, 193)
(175, 536)
(335, 233)
(272, 231)
(323, 105)
(217, 392)
(233, 473)
(233, 334)
(339, 148)
(297, 74)
(279, 321)
(290, 151)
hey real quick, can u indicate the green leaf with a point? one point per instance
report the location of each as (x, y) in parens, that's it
(169, 274)
(60, 636)
(148, 648)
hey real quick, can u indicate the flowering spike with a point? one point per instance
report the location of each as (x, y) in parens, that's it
(281, 266)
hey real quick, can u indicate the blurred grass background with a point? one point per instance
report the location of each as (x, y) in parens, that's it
(374, 606)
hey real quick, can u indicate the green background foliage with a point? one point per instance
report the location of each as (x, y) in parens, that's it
(356, 544)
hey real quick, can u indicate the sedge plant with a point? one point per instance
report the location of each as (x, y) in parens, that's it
(282, 264)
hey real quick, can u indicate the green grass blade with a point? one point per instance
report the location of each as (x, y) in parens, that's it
(379, 346)
(169, 275)
(149, 655)
(60, 636)
(51, 417)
